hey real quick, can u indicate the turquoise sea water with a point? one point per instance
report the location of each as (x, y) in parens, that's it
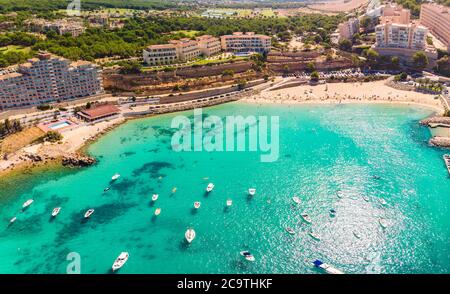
(323, 149)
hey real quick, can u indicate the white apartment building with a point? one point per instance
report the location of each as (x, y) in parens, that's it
(348, 28)
(160, 54)
(437, 19)
(209, 45)
(49, 78)
(246, 42)
(187, 49)
(394, 35)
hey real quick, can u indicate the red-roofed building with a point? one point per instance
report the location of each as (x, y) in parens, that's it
(97, 113)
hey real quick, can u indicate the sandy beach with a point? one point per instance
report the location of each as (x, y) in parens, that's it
(371, 92)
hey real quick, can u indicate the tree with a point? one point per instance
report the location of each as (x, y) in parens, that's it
(372, 56)
(366, 23)
(395, 62)
(314, 76)
(345, 45)
(242, 84)
(310, 67)
(420, 60)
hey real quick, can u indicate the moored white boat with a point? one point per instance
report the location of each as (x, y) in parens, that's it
(382, 201)
(120, 261)
(251, 191)
(197, 204)
(155, 197)
(115, 177)
(88, 213)
(357, 235)
(290, 230)
(210, 187)
(327, 268)
(247, 255)
(296, 200)
(27, 203)
(315, 236)
(157, 211)
(229, 202)
(383, 223)
(11, 221)
(306, 218)
(189, 235)
(339, 194)
(55, 211)
(366, 198)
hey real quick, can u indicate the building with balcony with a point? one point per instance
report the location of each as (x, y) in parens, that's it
(240, 42)
(437, 19)
(49, 78)
(348, 28)
(209, 45)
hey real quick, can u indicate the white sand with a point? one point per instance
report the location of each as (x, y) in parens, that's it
(371, 92)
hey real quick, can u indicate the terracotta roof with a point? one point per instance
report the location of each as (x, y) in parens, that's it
(100, 111)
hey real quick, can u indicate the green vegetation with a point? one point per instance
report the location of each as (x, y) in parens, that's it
(443, 66)
(345, 45)
(8, 127)
(52, 136)
(420, 60)
(315, 76)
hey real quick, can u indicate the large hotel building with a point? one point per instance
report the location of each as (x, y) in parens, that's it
(437, 19)
(49, 78)
(240, 42)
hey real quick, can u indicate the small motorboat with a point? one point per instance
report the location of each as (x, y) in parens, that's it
(357, 235)
(339, 194)
(174, 190)
(210, 187)
(315, 236)
(55, 211)
(229, 202)
(115, 177)
(27, 203)
(197, 204)
(120, 261)
(332, 212)
(327, 268)
(88, 213)
(155, 197)
(366, 198)
(11, 221)
(189, 235)
(376, 177)
(290, 231)
(306, 218)
(157, 211)
(296, 200)
(383, 201)
(247, 255)
(251, 191)
(383, 223)
(106, 189)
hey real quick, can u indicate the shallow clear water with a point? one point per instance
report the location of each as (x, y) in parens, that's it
(323, 149)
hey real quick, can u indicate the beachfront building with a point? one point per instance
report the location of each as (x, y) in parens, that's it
(403, 40)
(240, 42)
(160, 54)
(49, 78)
(61, 26)
(186, 49)
(348, 28)
(209, 45)
(437, 19)
(396, 14)
(98, 113)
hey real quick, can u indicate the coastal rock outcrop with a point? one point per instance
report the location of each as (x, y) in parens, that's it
(440, 142)
(77, 160)
(436, 120)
